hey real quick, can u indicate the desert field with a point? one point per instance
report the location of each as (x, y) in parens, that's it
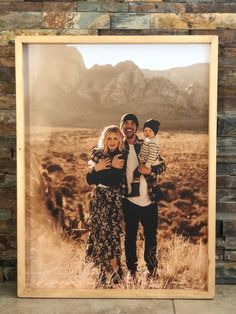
(57, 212)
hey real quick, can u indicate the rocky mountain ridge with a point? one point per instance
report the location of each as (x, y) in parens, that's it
(63, 92)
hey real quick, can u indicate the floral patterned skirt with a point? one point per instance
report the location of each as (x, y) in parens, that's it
(105, 227)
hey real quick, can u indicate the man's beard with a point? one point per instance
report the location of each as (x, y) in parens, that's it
(130, 136)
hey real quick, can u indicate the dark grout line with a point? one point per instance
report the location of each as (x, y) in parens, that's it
(173, 306)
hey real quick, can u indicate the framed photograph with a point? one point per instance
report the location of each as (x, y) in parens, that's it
(116, 166)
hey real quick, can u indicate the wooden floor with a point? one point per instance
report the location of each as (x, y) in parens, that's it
(224, 302)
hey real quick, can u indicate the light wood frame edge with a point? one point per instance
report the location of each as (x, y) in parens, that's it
(212, 163)
(144, 293)
(20, 167)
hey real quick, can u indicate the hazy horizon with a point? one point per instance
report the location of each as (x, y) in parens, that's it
(157, 56)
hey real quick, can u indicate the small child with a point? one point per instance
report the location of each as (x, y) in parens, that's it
(149, 154)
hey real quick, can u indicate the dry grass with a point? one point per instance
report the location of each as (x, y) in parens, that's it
(182, 264)
(55, 260)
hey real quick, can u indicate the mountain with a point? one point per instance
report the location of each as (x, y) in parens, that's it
(182, 76)
(63, 92)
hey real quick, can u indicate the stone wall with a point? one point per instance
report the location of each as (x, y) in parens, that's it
(173, 17)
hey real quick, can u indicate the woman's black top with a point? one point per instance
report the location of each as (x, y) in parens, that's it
(109, 177)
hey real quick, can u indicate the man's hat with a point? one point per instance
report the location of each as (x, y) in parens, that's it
(128, 116)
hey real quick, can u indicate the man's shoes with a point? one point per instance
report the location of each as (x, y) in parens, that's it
(131, 279)
(152, 274)
(131, 275)
(134, 189)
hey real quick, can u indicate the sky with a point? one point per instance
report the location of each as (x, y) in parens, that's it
(145, 56)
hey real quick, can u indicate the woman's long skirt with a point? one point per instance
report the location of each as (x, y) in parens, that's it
(105, 226)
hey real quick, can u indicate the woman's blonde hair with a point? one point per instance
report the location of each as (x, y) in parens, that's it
(102, 142)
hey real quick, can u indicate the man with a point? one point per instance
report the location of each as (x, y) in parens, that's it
(142, 208)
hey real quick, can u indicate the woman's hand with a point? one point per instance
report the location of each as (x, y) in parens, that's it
(103, 164)
(117, 162)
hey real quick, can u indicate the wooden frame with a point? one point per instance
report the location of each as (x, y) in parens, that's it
(22, 134)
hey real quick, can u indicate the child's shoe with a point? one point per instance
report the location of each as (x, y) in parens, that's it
(134, 189)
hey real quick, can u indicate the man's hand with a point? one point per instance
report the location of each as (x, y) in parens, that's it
(144, 169)
(117, 162)
(103, 164)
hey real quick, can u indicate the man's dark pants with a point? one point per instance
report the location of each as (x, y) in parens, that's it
(147, 215)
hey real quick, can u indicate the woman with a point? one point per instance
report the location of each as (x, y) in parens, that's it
(104, 245)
